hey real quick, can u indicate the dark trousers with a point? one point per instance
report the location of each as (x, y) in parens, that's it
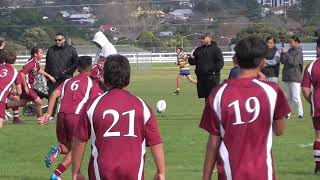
(206, 84)
(52, 86)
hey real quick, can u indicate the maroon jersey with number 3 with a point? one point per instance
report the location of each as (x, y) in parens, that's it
(8, 75)
(120, 127)
(76, 91)
(241, 111)
(311, 79)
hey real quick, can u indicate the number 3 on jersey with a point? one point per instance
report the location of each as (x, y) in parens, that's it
(255, 110)
(116, 118)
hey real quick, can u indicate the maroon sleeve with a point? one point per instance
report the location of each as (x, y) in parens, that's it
(209, 120)
(95, 90)
(282, 107)
(306, 80)
(83, 129)
(28, 68)
(60, 87)
(38, 66)
(94, 73)
(152, 131)
(18, 79)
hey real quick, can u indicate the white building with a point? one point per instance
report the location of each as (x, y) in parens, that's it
(278, 3)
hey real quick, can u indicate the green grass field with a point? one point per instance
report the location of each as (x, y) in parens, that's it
(23, 147)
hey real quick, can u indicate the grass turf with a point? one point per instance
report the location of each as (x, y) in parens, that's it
(23, 147)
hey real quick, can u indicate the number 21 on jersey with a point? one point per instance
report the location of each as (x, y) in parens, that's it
(255, 110)
(116, 118)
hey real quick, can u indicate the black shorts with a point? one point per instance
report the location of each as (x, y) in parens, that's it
(206, 84)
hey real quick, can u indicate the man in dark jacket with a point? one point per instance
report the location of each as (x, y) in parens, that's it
(209, 61)
(61, 62)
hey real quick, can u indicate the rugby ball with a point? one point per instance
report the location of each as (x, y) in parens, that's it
(161, 106)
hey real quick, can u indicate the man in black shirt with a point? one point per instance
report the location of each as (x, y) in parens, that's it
(209, 61)
(61, 62)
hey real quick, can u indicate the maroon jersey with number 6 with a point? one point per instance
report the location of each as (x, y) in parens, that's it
(241, 111)
(76, 91)
(120, 127)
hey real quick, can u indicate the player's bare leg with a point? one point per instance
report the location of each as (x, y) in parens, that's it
(316, 152)
(15, 110)
(178, 85)
(38, 104)
(1, 122)
(189, 77)
(20, 103)
(54, 152)
(62, 167)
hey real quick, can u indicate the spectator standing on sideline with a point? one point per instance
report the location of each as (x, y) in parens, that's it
(2, 44)
(61, 62)
(209, 61)
(2, 53)
(271, 69)
(105, 48)
(292, 60)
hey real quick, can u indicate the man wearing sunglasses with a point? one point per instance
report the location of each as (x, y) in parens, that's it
(61, 61)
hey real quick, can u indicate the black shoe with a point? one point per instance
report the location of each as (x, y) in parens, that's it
(288, 117)
(176, 93)
(17, 121)
(317, 171)
(300, 116)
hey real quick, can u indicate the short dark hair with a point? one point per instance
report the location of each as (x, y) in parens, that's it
(250, 51)
(271, 37)
(3, 56)
(84, 62)
(102, 58)
(295, 38)
(34, 50)
(11, 57)
(206, 35)
(117, 71)
(60, 34)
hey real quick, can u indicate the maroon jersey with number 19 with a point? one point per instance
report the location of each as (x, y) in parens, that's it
(241, 111)
(311, 79)
(120, 127)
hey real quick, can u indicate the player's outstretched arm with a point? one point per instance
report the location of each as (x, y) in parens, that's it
(211, 156)
(52, 100)
(78, 148)
(158, 158)
(306, 93)
(279, 126)
(19, 89)
(47, 75)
